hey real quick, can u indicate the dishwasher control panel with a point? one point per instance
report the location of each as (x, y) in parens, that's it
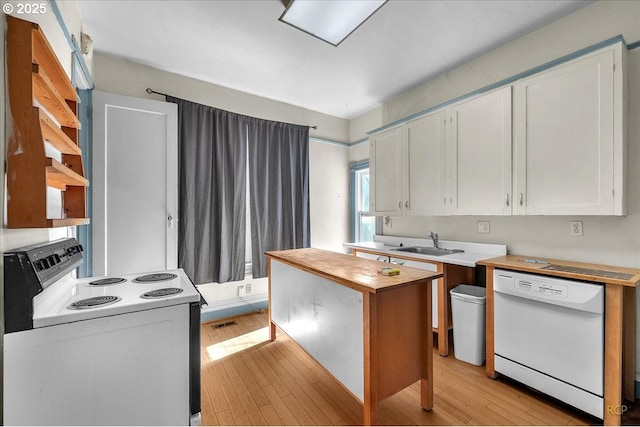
(569, 293)
(541, 287)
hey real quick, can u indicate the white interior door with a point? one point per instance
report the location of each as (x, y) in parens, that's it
(135, 184)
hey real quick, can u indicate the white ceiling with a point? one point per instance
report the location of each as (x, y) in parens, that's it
(241, 44)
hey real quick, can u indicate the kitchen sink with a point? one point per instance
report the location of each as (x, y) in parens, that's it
(428, 250)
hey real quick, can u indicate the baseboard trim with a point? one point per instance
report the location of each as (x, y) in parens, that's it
(234, 307)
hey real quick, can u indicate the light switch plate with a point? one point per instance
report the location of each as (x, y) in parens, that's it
(484, 227)
(576, 228)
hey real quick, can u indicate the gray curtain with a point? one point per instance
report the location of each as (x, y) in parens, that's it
(212, 164)
(278, 188)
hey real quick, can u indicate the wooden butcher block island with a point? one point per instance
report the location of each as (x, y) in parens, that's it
(370, 332)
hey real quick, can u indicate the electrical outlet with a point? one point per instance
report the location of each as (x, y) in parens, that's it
(241, 290)
(247, 288)
(484, 227)
(576, 228)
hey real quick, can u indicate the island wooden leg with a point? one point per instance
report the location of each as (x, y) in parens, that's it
(426, 382)
(629, 344)
(443, 315)
(613, 355)
(369, 305)
(272, 326)
(370, 412)
(489, 345)
(272, 331)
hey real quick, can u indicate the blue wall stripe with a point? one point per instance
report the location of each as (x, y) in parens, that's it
(75, 49)
(509, 80)
(329, 141)
(633, 45)
(85, 231)
(360, 141)
(342, 144)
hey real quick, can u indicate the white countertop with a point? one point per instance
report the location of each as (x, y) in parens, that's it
(473, 252)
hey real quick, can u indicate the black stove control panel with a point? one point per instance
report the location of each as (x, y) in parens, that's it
(61, 255)
(29, 270)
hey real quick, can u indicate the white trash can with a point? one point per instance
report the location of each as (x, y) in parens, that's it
(468, 315)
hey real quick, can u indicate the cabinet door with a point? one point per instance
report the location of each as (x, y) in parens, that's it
(377, 257)
(424, 187)
(479, 133)
(385, 169)
(434, 284)
(564, 140)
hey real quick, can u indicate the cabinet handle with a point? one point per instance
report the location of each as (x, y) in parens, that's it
(406, 204)
(400, 204)
(382, 259)
(170, 221)
(521, 199)
(397, 262)
(507, 199)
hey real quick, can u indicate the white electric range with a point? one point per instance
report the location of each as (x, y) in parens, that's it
(125, 350)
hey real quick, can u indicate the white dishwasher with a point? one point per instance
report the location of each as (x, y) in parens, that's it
(549, 335)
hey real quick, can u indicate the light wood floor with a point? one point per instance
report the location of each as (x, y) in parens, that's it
(247, 380)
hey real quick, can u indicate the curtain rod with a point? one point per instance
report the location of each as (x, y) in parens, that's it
(151, 91)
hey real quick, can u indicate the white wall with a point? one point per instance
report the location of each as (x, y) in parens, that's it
(329, 195)
(13, 238)
(328, 163)
(359, 151)
(606, 240)
(587, 26)
(124, 77)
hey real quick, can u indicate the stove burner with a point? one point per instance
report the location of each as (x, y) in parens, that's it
(155, 277)
(159, 293)
(93, 302)
(107, 281)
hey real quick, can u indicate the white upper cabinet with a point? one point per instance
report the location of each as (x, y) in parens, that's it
(385, 170)
(569, 138)
(408, 168)
(566, 157)
(479, 141)
(424, 157)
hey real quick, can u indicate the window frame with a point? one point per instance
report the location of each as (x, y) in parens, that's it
(354, 168)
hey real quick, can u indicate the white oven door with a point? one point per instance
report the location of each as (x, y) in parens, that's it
(129, 369)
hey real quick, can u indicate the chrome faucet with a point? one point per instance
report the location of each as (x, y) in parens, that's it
(434, 237)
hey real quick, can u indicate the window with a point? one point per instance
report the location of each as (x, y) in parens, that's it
(363, 225)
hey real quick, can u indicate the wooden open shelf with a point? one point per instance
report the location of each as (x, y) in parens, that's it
(43, 107)
(67, 222)
(43, 55)
(59, 176)
(46, 93)
(56, 136)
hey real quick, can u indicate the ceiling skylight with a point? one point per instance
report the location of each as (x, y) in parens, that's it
(329, 20)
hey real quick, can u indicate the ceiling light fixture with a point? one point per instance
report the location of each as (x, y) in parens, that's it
(329, 20)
